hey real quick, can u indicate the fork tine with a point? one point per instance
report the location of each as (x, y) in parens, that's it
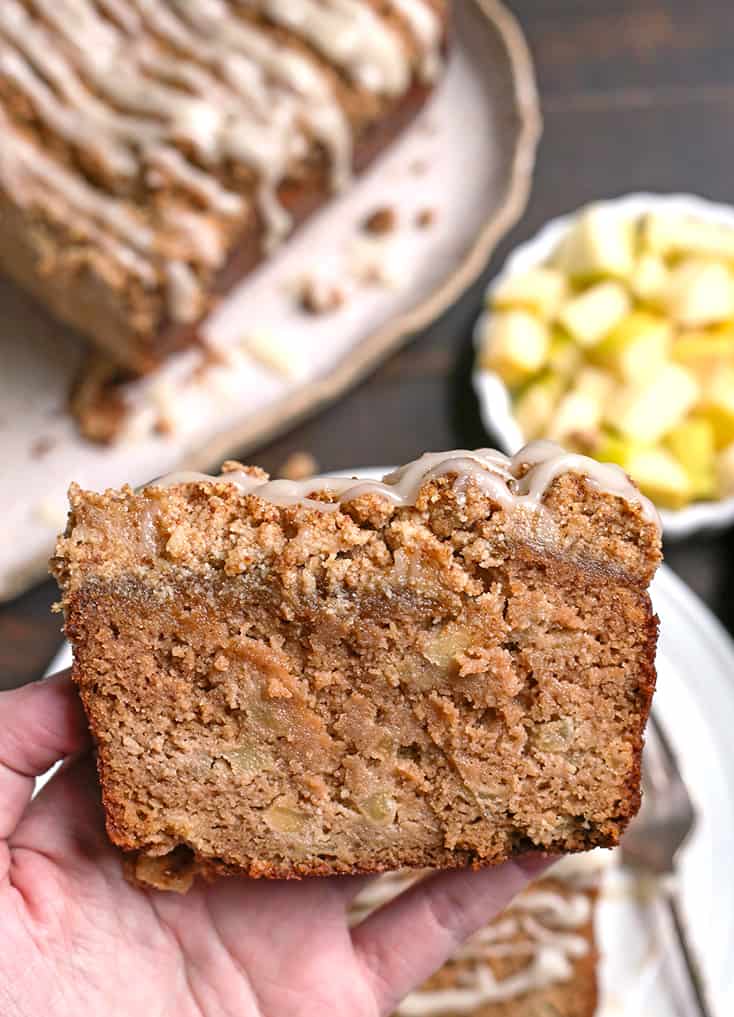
(663, 740)
(651, 844)
(659, 765)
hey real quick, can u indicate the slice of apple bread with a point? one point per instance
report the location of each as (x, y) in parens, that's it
(445, 668)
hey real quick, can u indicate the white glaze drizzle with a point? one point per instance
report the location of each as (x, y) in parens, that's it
(427, 31)
(120, 12)
(496, 474)
(190, 231)
(184, 293)
(350, 35)
(116, 158)
(548, 966)
(540, 925)
(34, 179)
(204, 187)
(228, 91)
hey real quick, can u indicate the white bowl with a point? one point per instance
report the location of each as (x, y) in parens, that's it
(494, 398)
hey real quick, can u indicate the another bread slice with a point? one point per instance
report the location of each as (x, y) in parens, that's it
(537, 959)
(137, 188)
(446, 669)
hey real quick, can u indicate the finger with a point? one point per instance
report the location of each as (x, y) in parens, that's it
(39, 724)
(66, 818)
(60, 851)
(405, 941)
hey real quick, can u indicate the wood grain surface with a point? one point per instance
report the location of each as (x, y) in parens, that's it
(638, 94)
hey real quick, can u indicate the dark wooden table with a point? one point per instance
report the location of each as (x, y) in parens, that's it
(637, 94)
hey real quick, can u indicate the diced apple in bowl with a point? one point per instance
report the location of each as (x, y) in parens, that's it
(717, 405)
(564, 356)
(647, 412)
(649, 280)
(581, 410)
(621, 345)
(592, 314)
(661, 477)
(599, 244)
(514, 344)
(725, 471)
(705, 349)
(535, 406)
(637, 348)
(669, 235)
(540, 290)
(700, 293)
(692, 444)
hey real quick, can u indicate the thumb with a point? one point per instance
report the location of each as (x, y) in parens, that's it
(40, 724)
(405, 941)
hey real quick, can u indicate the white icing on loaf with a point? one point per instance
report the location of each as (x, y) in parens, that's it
(500, 476)
(540, 925)
(184, 294)
(166, 91)
(35, 180)
(426, 30)
(351, 36)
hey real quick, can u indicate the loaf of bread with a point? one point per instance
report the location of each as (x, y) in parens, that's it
(284, 678)
(152, 152)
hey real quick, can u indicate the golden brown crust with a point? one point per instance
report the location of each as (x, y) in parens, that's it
(289, 691)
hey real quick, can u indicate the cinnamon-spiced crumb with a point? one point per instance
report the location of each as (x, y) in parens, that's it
(382, 220)
(95, 399)
(318, 296)
(298, 466)
(164, 426)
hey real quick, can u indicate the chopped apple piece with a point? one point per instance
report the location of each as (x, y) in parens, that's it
(637, 348)
(645, 413)
(564, 356)
(597, 384)
(515, 345)
(621, 346)
(540, 290)
(725, 472)
(700, 293)
(581, 410)
(649, 279)
(600, 243)
(661, 477)
(705, 346)
(610, 448)
(692, 444)
(717, 406)
(534, 407)
(578, 414)
(595, 312)
(668, 234)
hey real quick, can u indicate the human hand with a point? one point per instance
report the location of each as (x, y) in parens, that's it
(78, 939)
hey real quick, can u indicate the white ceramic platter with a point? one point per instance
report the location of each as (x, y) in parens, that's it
(468, 158)
(694, 702)
(494, 398)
